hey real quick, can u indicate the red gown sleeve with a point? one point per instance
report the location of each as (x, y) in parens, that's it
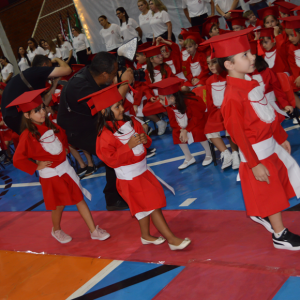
(291, 59)
(279, 133)
(195, 112)
(203, 76)
(189, 75)
(139, 129)
(176, 57)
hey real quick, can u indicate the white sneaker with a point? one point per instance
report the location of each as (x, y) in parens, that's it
(162, 126)
(207, 161)
(235, 160)
(187, 163)
(227, 159)
(295, 121)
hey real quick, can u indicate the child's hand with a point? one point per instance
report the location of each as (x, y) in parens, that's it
(159, 40)
(261, 173)
(276, 30)
(287, 147)
(297, 81)
(289, 109)
(198, 85)
(257, 35)
(153, 99)
(143, 138)
(135, 108)
(67, 151)
(134, 141)
(183, 136)
(43, 164)
(195, 81)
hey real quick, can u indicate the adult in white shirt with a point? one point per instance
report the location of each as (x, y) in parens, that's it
(7, 71)
(160, 22)
(129, 27)
(23, 60)
(111, 34)
(53, 51)
(196, 10)
(224, 6)
(255, 5)
(81, 46)
(144, 19)
(34, 49)
(66, 50)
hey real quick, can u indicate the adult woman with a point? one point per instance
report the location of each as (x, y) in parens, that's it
(34, 49)
(81, 46)
(23, 60)
(66, 50)
(144, 19)
(160, 22)
(111, 34)
(129, 27)
(53, 51)
(7, 71)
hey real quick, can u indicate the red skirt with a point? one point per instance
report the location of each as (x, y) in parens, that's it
(153, 108)
(263, 199)
(7, 135)
(60, 191)
(142, 193)
(215, 122)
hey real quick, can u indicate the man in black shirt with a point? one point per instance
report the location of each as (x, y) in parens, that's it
(75, 117)
(36, 76)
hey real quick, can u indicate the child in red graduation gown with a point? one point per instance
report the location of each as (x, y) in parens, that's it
(184, 54)
(187, 117)
(269, 175)
(215, 89)
(121, 144)
(42, 147)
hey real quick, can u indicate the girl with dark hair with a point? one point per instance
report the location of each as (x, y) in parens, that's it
(23, 60)
(81, 46)
(42, 43)
(187, 117)
(34, 49)
(129, 27)
(66, 50)
(121, 144)
(7, 71)
(46, 145)
(111, 34)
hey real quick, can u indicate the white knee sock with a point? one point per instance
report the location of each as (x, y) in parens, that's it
(205, 145)
(186, 151)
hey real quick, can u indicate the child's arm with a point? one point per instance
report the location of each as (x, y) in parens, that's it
(294, 68)
(189, 75)
(279, 133)
(145, 139)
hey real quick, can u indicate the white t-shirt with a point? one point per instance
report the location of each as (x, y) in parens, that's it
(80, 42)
(158, 23)
(39, 50)
(23, 64)
(112, 37)
(7, 70)
(225, 5)
(195, 7)
(65, 49)
(51, 55)
(144, 21)
(128, 30)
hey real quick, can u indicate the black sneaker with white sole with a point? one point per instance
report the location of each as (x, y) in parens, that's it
(287, 241)
(264, 222)
(149, 153)
(82, 171)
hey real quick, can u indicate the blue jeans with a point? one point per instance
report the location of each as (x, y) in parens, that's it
(255, 7)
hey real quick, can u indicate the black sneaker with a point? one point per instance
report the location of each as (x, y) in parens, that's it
(82, 171)
(152, 150)
(89, 171)
(150, 154)
(264, 222)
(287, 241)
(119, 205)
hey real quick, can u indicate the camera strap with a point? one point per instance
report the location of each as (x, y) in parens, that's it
(25, 81)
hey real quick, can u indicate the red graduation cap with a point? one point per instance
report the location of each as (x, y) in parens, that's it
(55, 99)
(240, 21)
(143, 47)
(152, 51)
(229, 44)
(236, 13)
(195, 36)
(184, 33)
(285, 7)
(292, 22)
(213, 19)
(103, 98)
(268, 11)
(28, 100)
(167, 86)
(206, 27)
(193, 29)
(297, 9)
(267, 32)
(2, 85)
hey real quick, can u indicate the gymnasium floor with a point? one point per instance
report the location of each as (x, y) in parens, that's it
(230, 257)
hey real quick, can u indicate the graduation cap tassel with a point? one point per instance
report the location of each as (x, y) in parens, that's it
(260, 51)
(212, 55)
(295, 33)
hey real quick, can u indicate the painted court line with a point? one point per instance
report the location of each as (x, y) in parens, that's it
(188, 202)
(97, 278)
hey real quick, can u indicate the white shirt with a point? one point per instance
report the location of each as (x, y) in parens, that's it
(65, 49)
(23, 64)
(7, 70)
(39, 50)
(144, 21)
(225, 5)
(80, 42)
(158, 23)
(195, 7)
(51, 55)
(112, 37)
(128, 30)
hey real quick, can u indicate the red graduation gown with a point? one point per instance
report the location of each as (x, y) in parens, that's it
(294, 62)
(174, 61)
(184, 63)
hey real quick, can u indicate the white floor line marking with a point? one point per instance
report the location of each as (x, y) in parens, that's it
(97, 278)
(188, 202)
(166, 161)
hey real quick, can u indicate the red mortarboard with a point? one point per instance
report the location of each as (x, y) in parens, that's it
(143, 47)
(236, 13)
(267, 32)
(77, 67)
(152, 51)
(184, 33)
(297, 9)
(206, 27)
(213, 19)
(28, 100)
(229, 44)
(193, 29)
(2, 85)
(103, 98)
(240, 21)
(195, 36)
(292, 22)
(168, 86)
(268, 11)
(253, 47)
(55, 99)
(285, 7)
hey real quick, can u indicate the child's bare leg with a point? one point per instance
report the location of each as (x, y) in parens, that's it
(56, 217)
(185, 89)
(162, 226)
(86, 215)
(77, 156)
(8, 149)
(89, 158)
(145, 229)
(297, 100)
(276, 222)
(233, 146)
(219, 143)
(186, 151)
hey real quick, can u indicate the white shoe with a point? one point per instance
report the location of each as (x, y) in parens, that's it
(183, 245)
(227, 159)
(235, 160)
(187, 163)
(207, 161)
(161, 127)
(159, 241)
(295, 121)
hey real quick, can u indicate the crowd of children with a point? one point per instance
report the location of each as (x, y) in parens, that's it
(243, 82)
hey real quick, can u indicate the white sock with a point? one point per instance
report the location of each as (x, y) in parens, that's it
(278, 235)
(160, 123)
(205, 145)
(186, 151)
